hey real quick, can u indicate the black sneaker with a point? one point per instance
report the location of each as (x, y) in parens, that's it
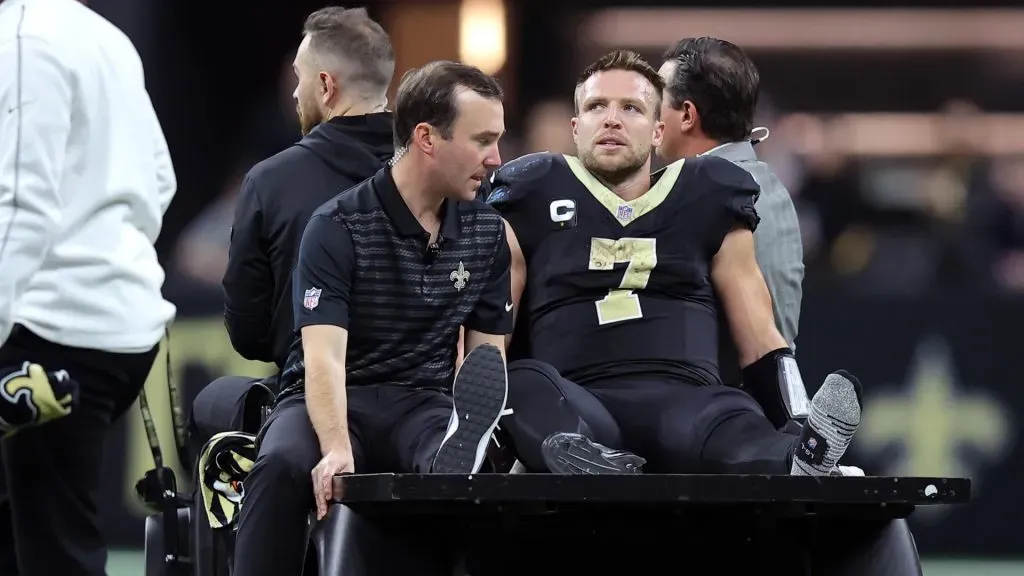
(569, 453)
(478, 400)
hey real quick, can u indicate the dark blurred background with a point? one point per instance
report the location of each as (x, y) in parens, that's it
(898, 131)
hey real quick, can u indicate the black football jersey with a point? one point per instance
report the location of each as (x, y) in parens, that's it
(615, 288)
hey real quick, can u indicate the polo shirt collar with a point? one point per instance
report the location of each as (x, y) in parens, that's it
(398, 211)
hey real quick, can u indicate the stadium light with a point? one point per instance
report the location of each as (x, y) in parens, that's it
(482, 30)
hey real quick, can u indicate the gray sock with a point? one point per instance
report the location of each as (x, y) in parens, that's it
(834, 418)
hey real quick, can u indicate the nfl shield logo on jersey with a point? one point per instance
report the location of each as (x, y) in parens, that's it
(312, 298)
(624, 213)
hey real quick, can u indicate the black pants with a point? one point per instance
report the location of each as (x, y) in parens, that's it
(48, 519)
(678, 427)
(392, 429)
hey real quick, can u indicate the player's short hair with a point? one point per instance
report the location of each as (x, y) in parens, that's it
(428, 94)
(720, 80)
(359, 43)
(622, 60)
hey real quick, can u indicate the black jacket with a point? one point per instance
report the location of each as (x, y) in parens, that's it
(276, 200)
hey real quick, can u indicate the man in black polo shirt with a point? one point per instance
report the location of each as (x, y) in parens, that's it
(387, 273)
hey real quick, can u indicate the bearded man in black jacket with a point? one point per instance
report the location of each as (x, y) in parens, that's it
(344, 66)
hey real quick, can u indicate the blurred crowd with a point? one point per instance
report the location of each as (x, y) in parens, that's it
(886, 226)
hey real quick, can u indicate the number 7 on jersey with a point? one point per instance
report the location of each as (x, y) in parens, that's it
(640, 256)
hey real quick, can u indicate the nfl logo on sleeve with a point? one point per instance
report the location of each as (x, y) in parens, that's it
(312, 298)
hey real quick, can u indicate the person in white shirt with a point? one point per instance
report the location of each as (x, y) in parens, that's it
(85, 179)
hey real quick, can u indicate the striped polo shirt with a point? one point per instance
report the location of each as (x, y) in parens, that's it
(366, 264)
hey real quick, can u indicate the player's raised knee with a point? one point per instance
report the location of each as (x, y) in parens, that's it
(529, 368)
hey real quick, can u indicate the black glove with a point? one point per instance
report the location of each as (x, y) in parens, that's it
(775, 382)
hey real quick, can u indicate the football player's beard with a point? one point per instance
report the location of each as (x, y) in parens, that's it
(625, 165)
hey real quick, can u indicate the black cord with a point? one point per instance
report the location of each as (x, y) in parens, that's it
(174, 396)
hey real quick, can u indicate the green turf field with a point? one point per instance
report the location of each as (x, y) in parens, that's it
(129, 563)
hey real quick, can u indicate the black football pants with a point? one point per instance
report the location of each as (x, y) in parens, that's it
(678, 427)
(49, 524)
(392, 429)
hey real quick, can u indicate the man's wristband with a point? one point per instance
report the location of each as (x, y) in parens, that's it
(774, 381)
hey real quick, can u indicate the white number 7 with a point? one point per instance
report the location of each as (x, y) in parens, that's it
(641, 256)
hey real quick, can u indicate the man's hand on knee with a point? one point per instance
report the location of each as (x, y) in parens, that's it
(335, 461)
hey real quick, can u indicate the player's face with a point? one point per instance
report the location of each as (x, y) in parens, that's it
(472, 151)
(671, 142)
(308, 89)
(616, 127)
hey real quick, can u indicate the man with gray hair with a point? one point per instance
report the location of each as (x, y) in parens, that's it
(711, 90)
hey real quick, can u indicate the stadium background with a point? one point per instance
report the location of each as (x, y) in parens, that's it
(899, 132)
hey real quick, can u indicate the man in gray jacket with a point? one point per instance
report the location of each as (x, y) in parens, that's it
(708, 108)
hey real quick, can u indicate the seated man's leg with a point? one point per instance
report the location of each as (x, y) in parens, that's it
(418, 422)
(684, 428)
(544, 404)
(271, 536)
(733, 441)
(429, 431)
(734, 436)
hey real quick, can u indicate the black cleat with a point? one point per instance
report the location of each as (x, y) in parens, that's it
(478, 400)
(568, 453)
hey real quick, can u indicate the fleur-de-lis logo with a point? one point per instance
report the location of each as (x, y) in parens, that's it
(460, 277)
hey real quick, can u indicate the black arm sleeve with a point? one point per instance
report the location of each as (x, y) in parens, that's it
(249, 280)
(493, 312)
(322, 280)
(739, 191)
(741, 206)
